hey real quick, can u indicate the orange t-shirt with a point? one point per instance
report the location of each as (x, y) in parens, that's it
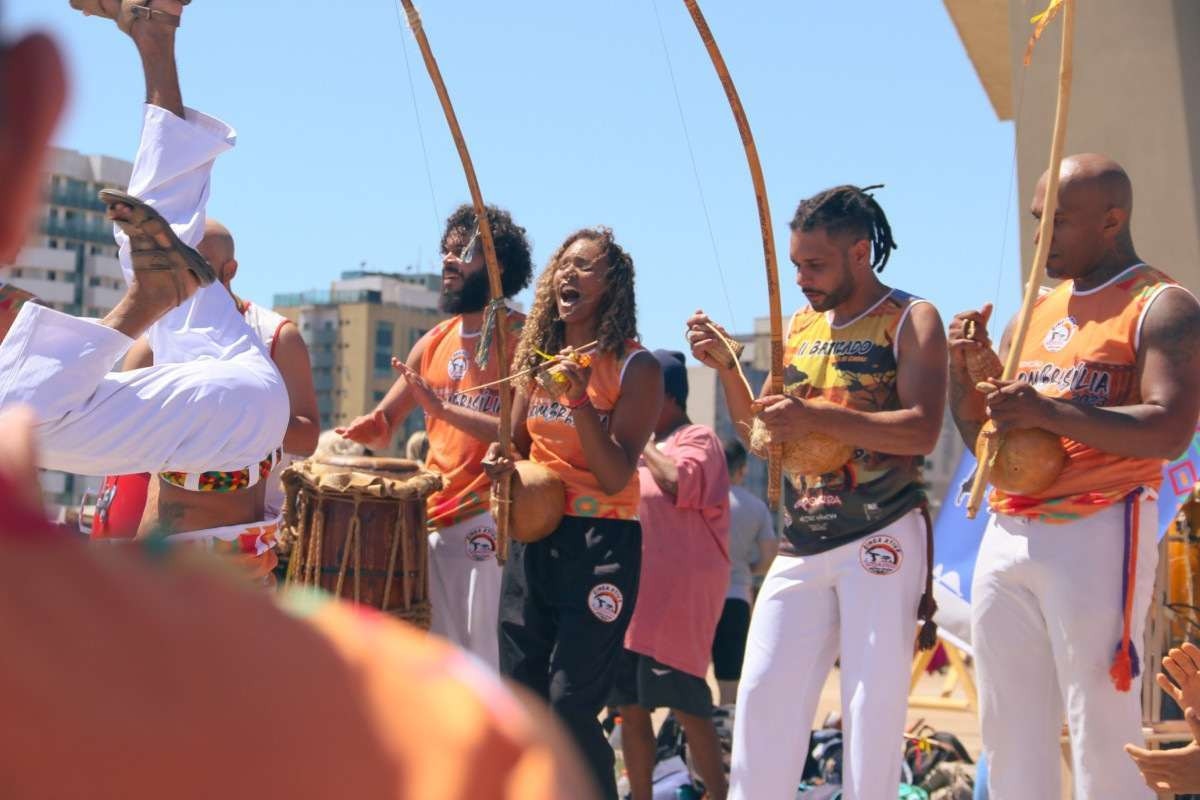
(448, 366)
(1082, 347)
(556, 444)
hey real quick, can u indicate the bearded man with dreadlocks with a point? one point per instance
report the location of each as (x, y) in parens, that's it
(866, 365)
(567, 599)
(443, 378)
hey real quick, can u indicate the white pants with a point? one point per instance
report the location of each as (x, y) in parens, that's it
(853, 601)
(464, 586)
(213, 400)
(1046, 620)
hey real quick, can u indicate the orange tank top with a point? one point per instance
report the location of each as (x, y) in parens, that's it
(448, 366)
(1082, 347)
(556, 444)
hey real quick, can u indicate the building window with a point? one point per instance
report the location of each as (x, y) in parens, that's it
(53, 244)
(379, 396)
(384, 338)
(51, 275)
(94, 280)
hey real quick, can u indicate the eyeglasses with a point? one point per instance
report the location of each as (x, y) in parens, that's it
(581, 265)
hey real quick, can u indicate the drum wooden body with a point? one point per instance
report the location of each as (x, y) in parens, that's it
(357, 530)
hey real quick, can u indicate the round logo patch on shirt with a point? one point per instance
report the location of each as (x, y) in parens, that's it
(457, 366)
(481, 544)
(605, 602)
(1059, 334)
(880, 554)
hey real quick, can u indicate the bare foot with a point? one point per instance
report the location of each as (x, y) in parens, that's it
(168, 288)
(102, 8)
(152, 292)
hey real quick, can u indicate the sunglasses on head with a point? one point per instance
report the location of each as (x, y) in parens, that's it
(468, 251)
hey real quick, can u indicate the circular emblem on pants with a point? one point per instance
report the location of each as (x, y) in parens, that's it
(605, 601)
(880, 554)
(457, 366)
(481, 544)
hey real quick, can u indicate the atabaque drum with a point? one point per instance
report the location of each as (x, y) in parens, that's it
(356, 528)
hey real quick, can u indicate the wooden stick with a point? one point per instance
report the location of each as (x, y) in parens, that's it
(1037, 271)
(775, 384)
(584, 349)
(501, 487)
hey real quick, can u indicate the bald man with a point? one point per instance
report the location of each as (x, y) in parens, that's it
(287, 349)
(1111, 364)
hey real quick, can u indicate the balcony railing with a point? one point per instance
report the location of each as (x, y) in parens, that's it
(100, 233)
(324, 297)
(76, 198)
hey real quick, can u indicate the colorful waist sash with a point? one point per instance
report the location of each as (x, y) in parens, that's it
(217, 481)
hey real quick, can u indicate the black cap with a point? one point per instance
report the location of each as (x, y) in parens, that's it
(674, 372)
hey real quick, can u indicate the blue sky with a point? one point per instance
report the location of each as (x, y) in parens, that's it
(570, 114)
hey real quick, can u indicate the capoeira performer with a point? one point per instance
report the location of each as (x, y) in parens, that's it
(120, 493)
(212, 411)
(440, 377)
(1110, 364)
(852, 564)
(567, 599)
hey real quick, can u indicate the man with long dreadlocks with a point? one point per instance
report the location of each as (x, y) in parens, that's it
(1110, 369)
(444, 377)
(567, 599)
(864, 364)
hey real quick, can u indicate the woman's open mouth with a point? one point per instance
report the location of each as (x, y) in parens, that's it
(568, 297)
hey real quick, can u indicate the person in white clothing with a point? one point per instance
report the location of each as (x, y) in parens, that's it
(864, 364)
(287, 350)
(214, 404)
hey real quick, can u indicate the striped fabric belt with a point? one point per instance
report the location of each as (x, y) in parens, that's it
(217, 481)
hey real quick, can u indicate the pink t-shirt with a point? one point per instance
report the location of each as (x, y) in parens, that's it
(685, 554)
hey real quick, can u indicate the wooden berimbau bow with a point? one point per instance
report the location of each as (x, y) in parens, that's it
(496, 317)
(1037, 272)
(775, 385)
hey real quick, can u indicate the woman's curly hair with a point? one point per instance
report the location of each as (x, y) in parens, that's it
(543, 330)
